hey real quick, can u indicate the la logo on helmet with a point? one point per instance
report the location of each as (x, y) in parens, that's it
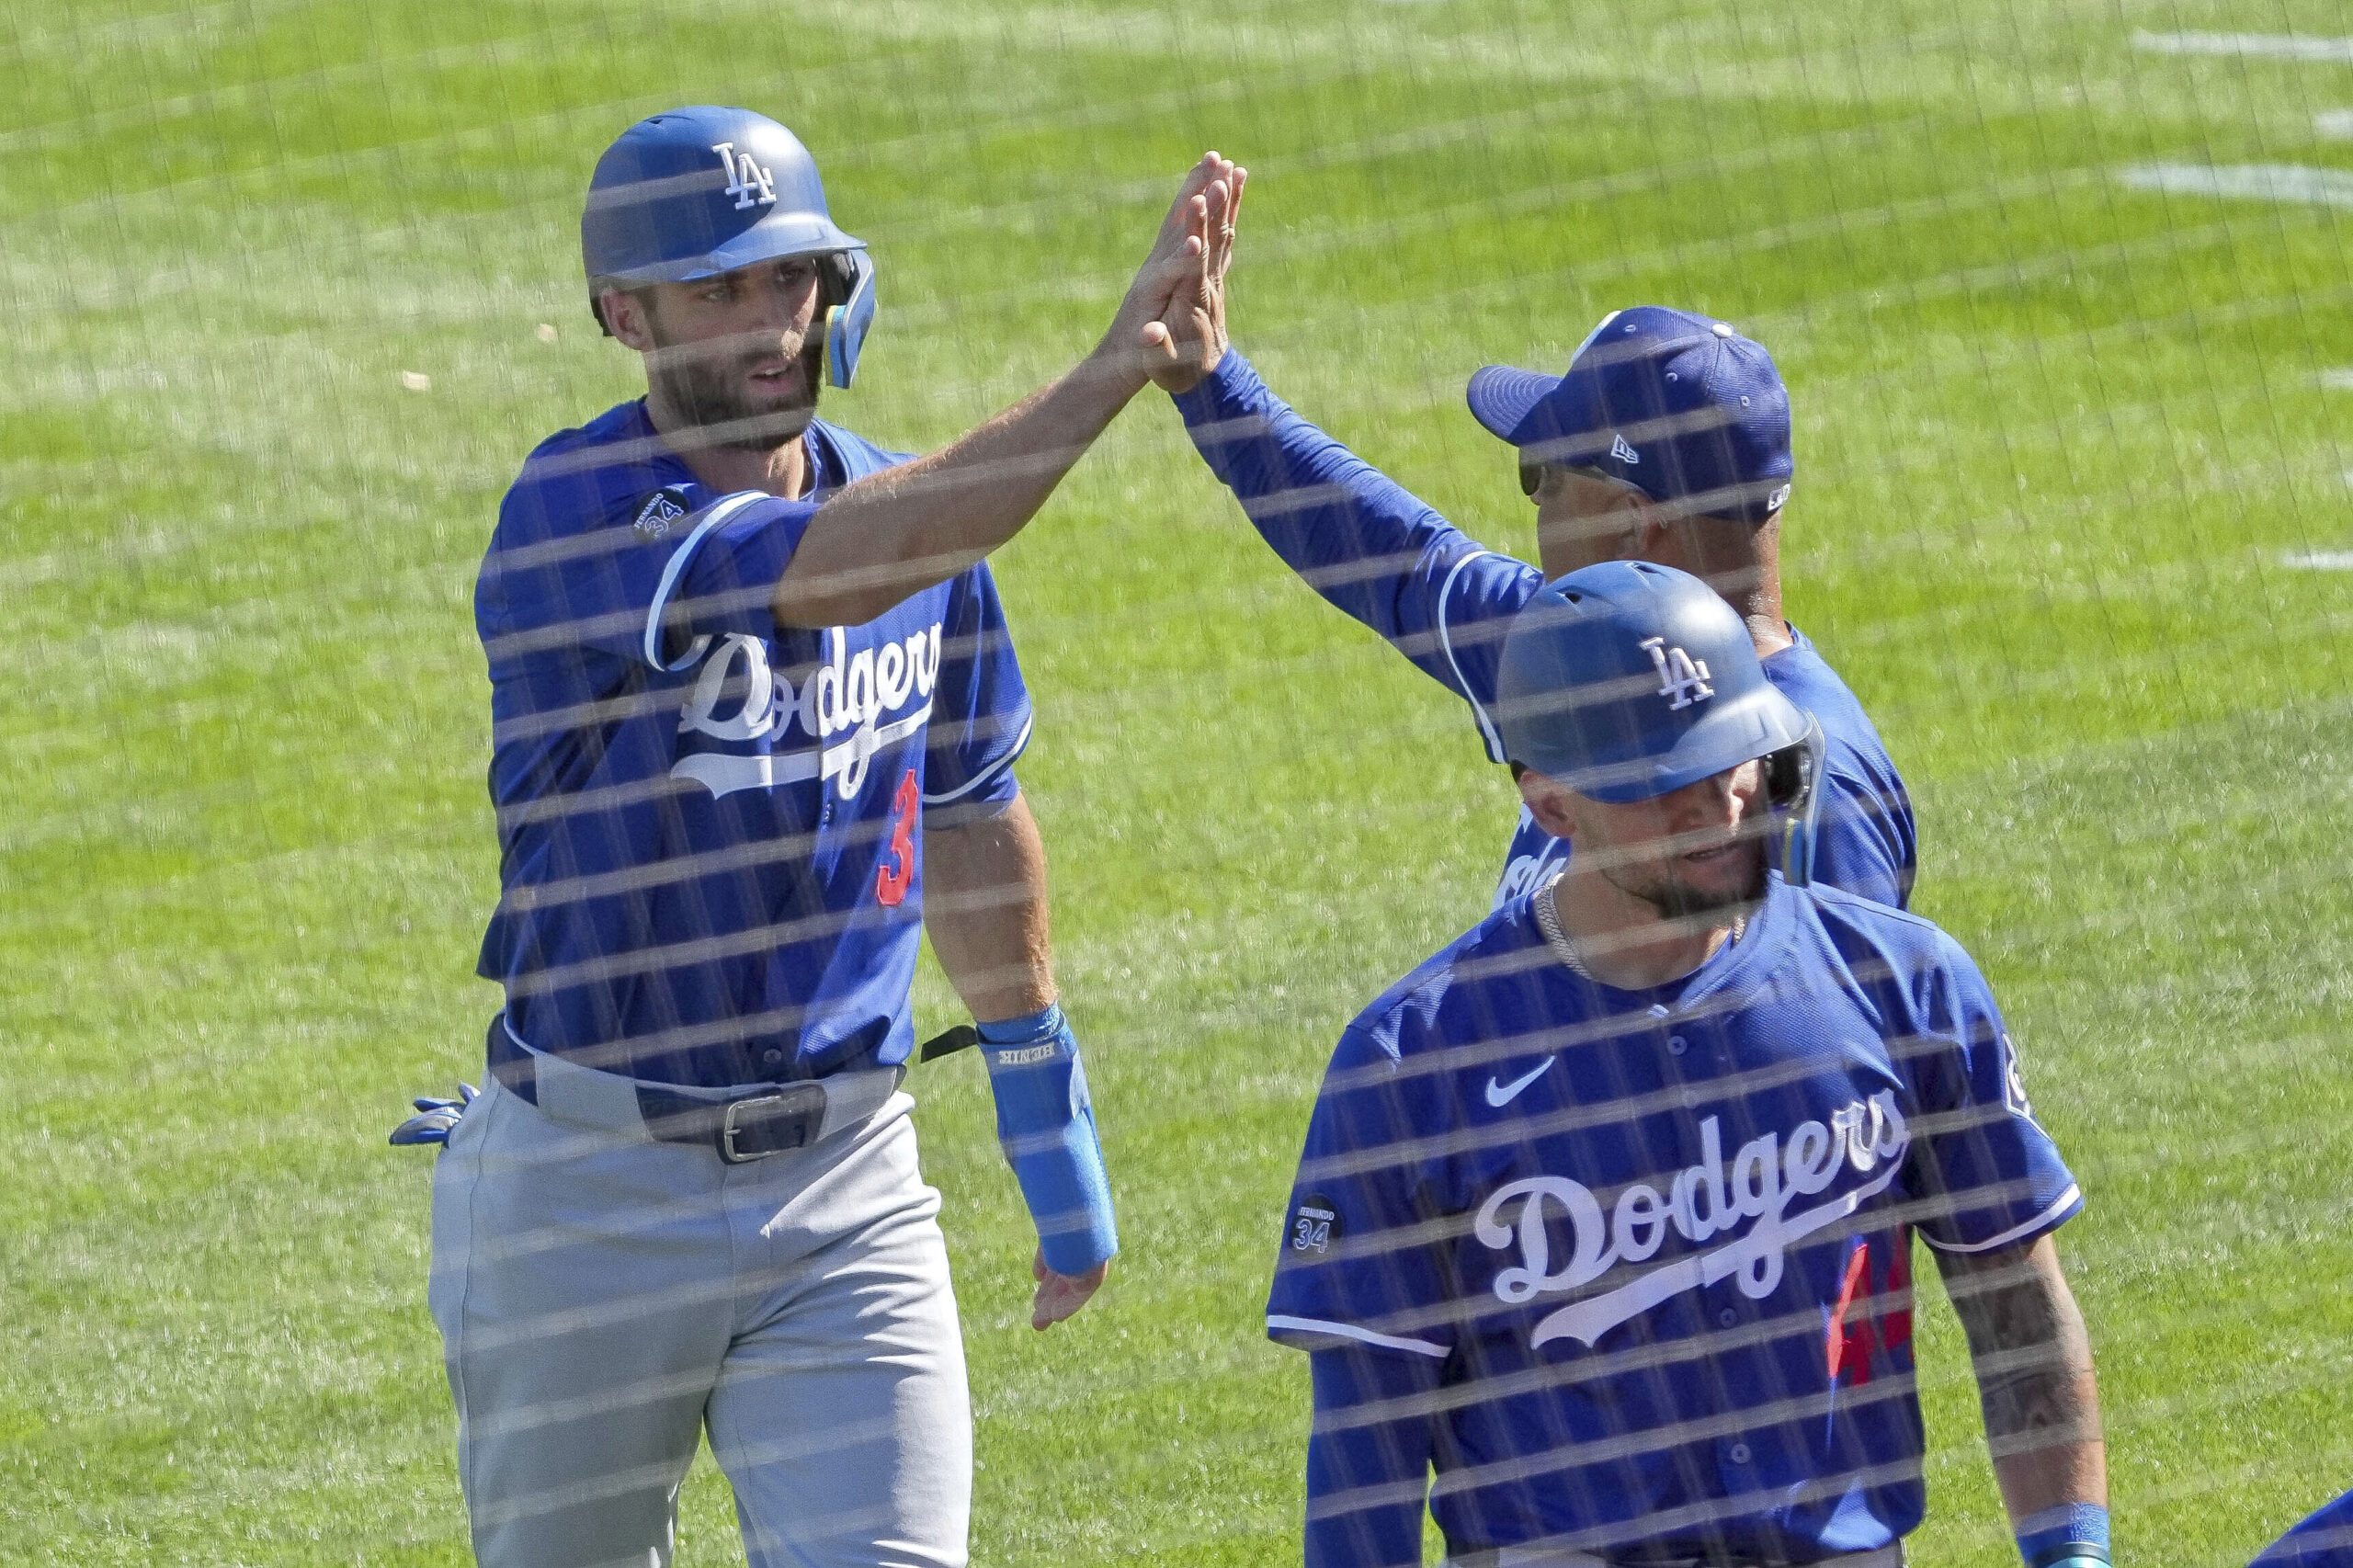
(744, 176)
(1681, 676)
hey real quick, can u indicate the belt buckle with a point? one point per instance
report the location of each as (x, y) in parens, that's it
(810, 1109)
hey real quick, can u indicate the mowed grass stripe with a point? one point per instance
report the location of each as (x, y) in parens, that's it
(251, 854)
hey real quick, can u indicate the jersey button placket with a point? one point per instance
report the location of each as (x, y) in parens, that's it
(1677, 1046)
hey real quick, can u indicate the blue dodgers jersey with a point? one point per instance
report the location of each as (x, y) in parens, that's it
(1659, 1242)
(1384, 557)
(2322, 1539)
(1866, 842)
(710, 825)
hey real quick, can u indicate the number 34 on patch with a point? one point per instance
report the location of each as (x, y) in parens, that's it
(1314, 1225)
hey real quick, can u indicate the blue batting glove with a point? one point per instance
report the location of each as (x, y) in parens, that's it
(1045, 1124)
(434, 1118)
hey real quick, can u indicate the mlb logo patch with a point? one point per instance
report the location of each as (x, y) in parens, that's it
(661, 508)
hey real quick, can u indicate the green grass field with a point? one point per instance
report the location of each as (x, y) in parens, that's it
(2057, 434)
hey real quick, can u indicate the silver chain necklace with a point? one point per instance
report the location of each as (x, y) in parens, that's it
(1548, 920)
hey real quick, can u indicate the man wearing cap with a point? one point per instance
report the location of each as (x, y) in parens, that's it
(1605, 1211)
(751, 692)
(1666, 440)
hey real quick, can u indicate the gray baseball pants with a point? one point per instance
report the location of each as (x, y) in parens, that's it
(604, 1299)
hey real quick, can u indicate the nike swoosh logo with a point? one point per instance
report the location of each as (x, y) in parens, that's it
(1500, 1094)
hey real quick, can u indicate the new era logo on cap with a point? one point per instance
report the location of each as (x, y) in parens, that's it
(1621, 451)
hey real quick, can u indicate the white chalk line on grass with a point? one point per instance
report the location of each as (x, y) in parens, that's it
(2334, 124)
(2295, 183)
(2336, 380)
(2260, 45)
(2320, 559)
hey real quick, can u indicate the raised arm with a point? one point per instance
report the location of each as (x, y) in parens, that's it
(903, 529)
(2033, 1363)
(1373, 550)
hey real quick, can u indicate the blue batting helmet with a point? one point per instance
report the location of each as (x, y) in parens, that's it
(695, 192)
(1627, 680)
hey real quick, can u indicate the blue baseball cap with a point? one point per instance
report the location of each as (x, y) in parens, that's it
(1678, 406)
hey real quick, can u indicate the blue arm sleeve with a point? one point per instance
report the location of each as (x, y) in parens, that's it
(1368, 1459)
(1370, 547)
(1045, 1124)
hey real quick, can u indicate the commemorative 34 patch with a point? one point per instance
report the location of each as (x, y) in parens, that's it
(1314, 1225)
(661, 508)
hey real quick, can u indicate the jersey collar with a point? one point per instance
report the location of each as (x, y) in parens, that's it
(826, 469)
(1726, 983)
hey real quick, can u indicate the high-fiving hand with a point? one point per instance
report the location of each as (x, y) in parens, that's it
(1171, 326)
(907, 528)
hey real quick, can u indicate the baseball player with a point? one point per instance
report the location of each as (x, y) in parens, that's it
(1605, 1210)
(2322, 1539)
(753, 697)
(1666, 440)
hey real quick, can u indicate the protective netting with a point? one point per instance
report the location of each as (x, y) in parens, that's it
(2058, 293)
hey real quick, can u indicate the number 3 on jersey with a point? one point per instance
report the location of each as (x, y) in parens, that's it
(891, 880)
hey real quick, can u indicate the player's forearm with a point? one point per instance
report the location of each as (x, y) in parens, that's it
(902, 530)
(984, 907)
(2035, 1381)
(1373, 550)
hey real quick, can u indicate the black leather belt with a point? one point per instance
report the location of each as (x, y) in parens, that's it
(773, 1121)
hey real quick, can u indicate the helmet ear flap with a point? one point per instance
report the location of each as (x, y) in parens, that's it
(837, 278)
(848, 317)
(1787, 777)
(1794, 795)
